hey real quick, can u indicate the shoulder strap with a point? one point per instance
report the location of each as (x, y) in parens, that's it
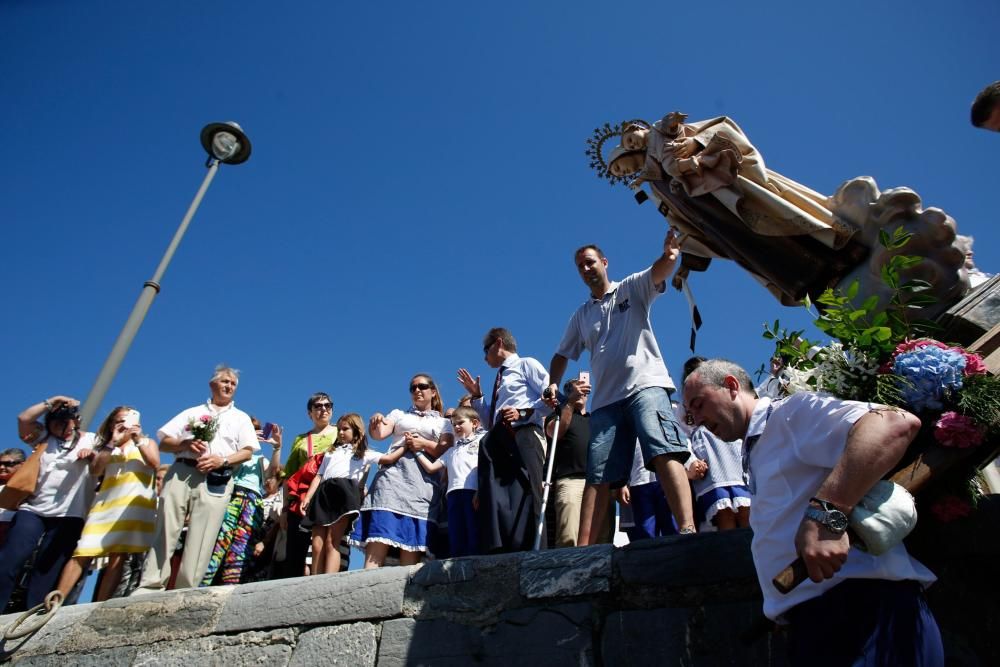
(309, 444)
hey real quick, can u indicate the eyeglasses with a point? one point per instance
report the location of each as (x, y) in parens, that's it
(486, 348)
(323, 406)
(10, 464)
(423, 386)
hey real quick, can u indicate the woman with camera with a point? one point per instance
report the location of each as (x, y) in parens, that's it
(123, 518)
(52, 517)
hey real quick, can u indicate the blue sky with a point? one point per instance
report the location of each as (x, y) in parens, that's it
(418, 176)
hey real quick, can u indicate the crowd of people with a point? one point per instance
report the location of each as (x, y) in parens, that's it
(472, 479)
(463, 481)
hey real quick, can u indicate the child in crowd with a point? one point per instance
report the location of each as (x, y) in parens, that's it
(123, 516)
(721, 498)
(244, 513)
(337, 489)
(460, 465)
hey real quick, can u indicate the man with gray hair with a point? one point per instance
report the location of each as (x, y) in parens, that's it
(199, 482)
(810, 459)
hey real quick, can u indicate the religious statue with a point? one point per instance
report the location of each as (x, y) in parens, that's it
(712, 184)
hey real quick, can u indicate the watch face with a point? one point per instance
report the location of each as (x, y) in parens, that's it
(837, 521)
(833, 519)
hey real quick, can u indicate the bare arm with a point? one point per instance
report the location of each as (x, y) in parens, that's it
(99, 461)
(313, 485)
(391, 457)
(273, 465)
(379, 427)
(427, 464)
(174, 445)
(662, 267)
(557, 368)
(443, 444)
(875, 444)
(28, 426)
(150, 452)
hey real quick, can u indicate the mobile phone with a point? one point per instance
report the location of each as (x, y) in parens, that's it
(267, 431)
(131, 418)
(584, 377)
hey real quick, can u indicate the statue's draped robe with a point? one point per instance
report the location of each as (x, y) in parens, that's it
(728, 204)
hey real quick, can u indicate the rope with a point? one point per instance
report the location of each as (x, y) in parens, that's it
(45, 611)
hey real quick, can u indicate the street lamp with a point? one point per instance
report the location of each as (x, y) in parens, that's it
(224, 142)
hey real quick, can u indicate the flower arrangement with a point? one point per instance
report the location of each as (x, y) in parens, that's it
(879, 355)
(203, 428)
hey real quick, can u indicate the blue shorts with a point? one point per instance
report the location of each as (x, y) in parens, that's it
(614, 428)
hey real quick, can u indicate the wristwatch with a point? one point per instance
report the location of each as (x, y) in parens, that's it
(826, 514)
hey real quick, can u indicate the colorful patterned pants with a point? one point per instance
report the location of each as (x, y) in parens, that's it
(244, 515)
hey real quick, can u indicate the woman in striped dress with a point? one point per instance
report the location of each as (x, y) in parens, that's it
(123, 518)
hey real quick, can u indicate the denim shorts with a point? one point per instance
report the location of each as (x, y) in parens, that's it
(645, 415)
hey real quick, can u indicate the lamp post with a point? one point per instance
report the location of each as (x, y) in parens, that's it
(225, 143)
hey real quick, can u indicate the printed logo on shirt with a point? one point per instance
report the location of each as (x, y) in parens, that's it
(623, 306)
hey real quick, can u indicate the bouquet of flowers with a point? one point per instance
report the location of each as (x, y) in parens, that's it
(203, 428)
(879, 355)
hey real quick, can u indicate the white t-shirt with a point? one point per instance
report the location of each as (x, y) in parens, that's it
(462, 461)
(65, 486)
(235, 430)
(341, 462)
(624, 355)
(805, 437)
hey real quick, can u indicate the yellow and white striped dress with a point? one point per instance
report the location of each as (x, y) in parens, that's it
(123, 518)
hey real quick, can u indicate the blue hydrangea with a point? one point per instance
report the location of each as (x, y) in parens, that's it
(930, 371)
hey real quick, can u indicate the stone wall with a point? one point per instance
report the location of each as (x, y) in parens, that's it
(680, 601)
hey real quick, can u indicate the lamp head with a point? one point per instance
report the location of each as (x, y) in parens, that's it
(226, 142)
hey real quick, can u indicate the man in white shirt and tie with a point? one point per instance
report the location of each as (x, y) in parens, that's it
(516, 401)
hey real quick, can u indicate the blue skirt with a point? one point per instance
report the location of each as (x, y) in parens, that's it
(392, 528)
(721, 498)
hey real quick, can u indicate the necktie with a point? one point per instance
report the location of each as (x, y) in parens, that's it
(496, 392)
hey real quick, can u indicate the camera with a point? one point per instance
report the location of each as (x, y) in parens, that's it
(65, 412)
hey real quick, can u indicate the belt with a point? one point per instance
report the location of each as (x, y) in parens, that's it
(188, 462)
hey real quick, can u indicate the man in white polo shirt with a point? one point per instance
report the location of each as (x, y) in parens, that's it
(631, 384)
(198, 483)
(810, 458)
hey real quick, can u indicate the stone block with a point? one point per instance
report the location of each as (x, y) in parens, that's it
(474, 591)
(113, 657)
(693, 636)
(687, 560)
(566, 572)
(552, 635)
(354, 644)
(147, 618)
(45, 640)
(270, 648)
(318, 600)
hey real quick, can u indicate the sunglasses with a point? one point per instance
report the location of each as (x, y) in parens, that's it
(9, 464)
(419, 385)
(486, 348)
(322, 406)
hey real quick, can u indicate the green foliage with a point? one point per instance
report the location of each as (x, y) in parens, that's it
(861, 327)
(980, 396)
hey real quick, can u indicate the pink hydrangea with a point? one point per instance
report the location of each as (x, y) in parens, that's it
(956, 430)
(974, 364)
(949, 508)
